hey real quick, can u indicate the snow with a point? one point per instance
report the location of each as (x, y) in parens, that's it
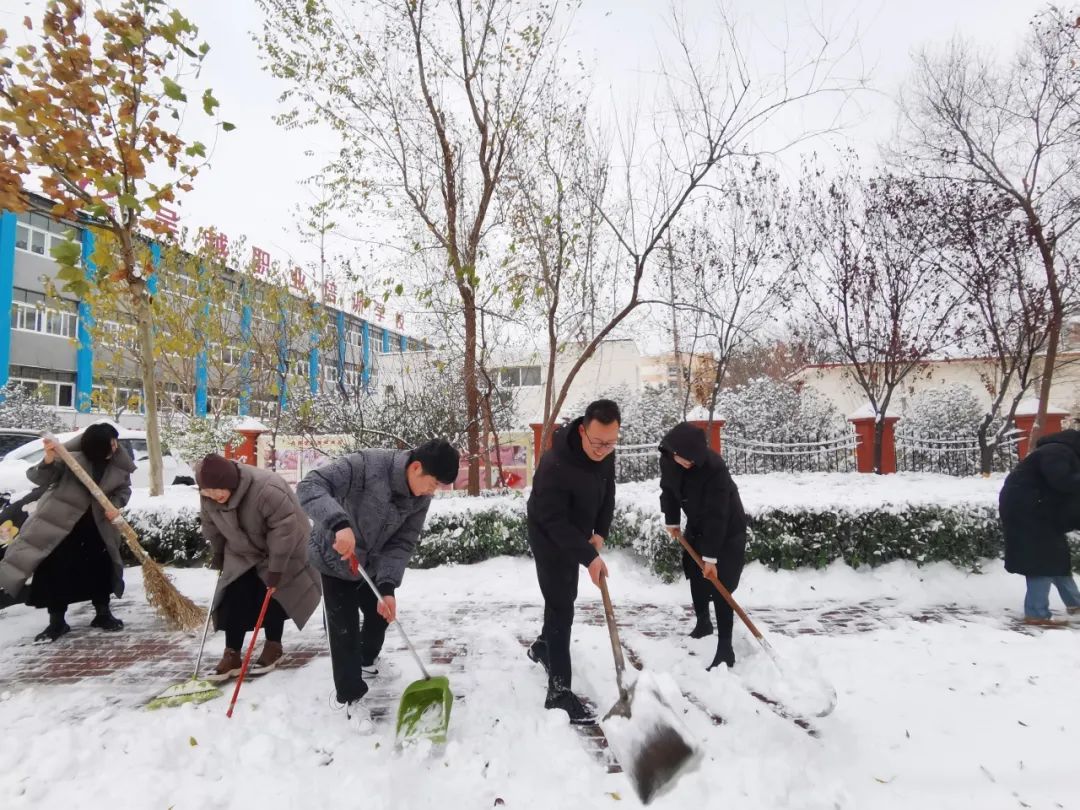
(867, 411)
(949, 714)
(1029, 406)
(833, 492)
(250, 423)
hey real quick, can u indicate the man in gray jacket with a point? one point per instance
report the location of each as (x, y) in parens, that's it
(370, 505)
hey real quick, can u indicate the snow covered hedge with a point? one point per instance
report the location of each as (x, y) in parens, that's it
(795, 520)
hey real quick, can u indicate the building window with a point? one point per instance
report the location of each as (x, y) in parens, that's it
(37, 233)
(31, 318)
(519, 376)
(55, 393)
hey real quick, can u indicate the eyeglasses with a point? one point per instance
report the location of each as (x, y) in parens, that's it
(600, 445)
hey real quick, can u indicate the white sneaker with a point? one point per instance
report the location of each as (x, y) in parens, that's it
(359, 718)
(383, 669)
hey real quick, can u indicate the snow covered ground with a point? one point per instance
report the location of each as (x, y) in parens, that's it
(960, 713)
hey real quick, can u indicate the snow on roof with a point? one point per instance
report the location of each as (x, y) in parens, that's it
(699, 414)
(1030, 406)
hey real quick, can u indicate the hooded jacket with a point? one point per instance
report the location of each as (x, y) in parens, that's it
(1039, 503)
(572, 498)
(715, 520)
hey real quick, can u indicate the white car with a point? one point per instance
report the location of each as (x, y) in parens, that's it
(15, 464)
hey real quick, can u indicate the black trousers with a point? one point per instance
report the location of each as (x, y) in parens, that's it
(352, 646)
(240, 606)
(702, 594)
(558, 578)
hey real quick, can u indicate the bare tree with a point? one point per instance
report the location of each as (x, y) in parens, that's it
(429, 99)
(1014, 128)
(868, 270)
(730, 267)
(710, 111)
(991, 256)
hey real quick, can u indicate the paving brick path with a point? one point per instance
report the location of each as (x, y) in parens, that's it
(148, 653)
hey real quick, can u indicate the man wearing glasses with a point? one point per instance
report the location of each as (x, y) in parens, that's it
(570, 511)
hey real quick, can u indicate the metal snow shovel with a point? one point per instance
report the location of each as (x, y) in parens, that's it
(653, 748)
(424, 711)
(194, 689)
(764, 642)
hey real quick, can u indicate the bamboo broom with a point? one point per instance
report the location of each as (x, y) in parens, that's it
(179, 611)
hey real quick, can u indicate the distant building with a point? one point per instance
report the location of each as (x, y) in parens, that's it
(43, 343)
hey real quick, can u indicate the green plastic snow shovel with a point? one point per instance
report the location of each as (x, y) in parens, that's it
(194, 689)
(424, 710)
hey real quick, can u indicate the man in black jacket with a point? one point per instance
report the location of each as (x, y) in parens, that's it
(1039, 504)
(570, 511)
(695, 480)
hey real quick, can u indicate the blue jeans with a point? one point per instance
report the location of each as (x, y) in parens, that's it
(1037, 600)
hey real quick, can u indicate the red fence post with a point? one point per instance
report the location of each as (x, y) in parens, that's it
(1024, 419)
(865, 422)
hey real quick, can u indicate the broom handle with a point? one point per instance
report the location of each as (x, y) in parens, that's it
(356, 568)
(251, 649)
(205, 630)
(724, 592)
(87, 481)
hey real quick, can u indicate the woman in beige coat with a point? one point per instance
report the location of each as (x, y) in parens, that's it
(258, 535)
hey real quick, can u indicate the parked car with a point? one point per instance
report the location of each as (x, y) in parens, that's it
(12, 438)
(16, 462)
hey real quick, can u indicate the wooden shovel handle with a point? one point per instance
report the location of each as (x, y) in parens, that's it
(87, 481)
(724, 592)
(613, 632)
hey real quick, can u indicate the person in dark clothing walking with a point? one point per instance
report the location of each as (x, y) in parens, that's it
(1039, 503)
(69, 548)
(695, 480)
(368, 507)
(258, 534)
(569, 516)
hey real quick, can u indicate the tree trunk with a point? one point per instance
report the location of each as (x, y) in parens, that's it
(1057, 318)
(879, 434)
(145, 318)
(986, 454)
(472, 395)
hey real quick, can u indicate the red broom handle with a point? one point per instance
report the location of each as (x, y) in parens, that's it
(251, 649)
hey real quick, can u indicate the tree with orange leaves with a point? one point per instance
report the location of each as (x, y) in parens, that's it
(91, 109)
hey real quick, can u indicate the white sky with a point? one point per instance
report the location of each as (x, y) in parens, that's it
(253, 185)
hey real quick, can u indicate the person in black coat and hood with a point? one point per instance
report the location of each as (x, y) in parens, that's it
(569, 515)
(695, 480)
(1039, 503)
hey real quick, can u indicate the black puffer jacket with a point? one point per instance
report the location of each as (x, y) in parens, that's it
(572, 497)
(715, 520)
(1039, 503)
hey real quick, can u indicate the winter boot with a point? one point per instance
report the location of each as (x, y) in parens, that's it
(703, 627)
(104, 620)
(228, 667)
(268, 658)
(6, 599)
(560, 697)
(538, 653)
(724, 655)
(1037, 622)
(57, 627)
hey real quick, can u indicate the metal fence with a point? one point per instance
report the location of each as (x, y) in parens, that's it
(952, 455)
(832, 452)
(637, 462)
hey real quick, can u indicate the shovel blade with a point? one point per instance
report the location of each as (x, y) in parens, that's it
(190, 691)
(424, 711)
(648, 739)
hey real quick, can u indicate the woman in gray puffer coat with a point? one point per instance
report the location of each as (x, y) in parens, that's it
(258, 534)
(68, 549)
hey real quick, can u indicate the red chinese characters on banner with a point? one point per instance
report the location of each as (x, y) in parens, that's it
(296, 278)
(380, 311)
(330, 291)
(168, 217)
(399, 320)
(218, 243)
(357, 302)
(260, 261)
